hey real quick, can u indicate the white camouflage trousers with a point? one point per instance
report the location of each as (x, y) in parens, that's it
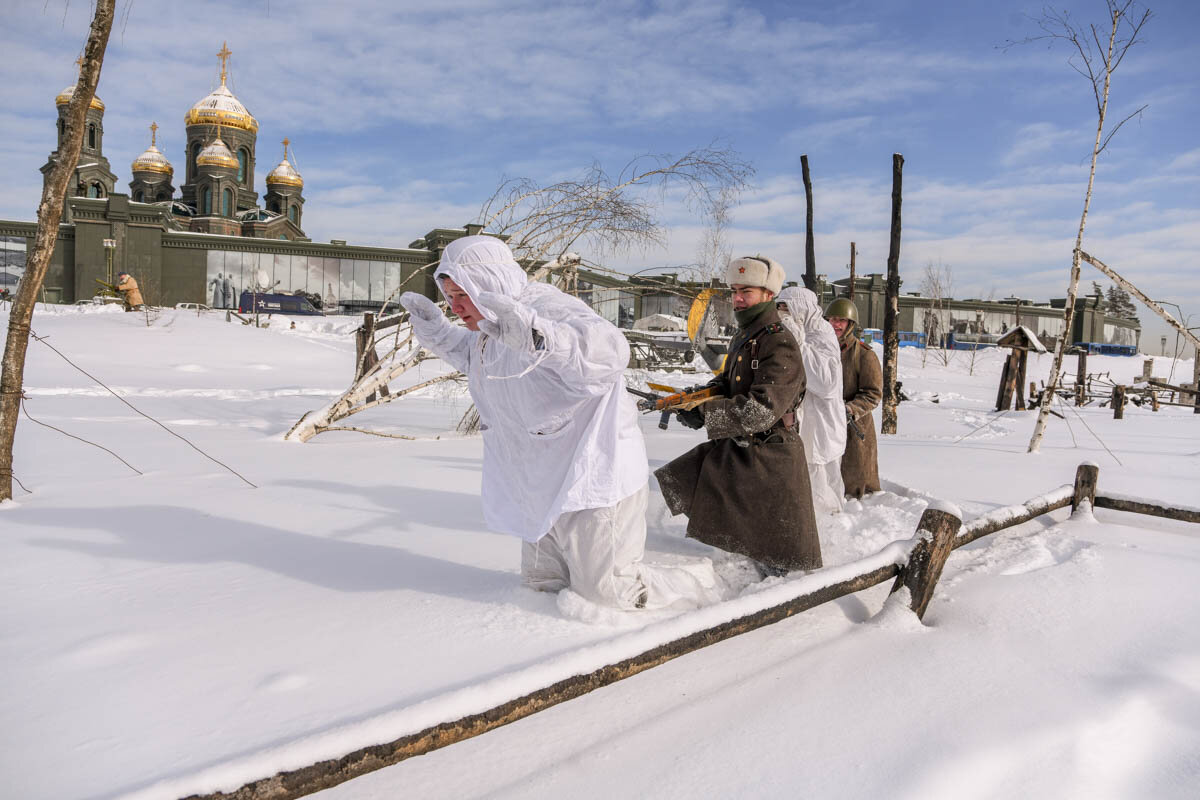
(828, 490)
(597, 552)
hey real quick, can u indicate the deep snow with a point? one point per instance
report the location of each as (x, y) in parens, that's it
(180, 631)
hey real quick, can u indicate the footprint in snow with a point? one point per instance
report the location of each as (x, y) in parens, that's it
(103, 651)
(281, 682)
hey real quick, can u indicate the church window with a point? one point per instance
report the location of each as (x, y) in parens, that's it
(273, 205)
(92, 136)
(93, 190)
(242, 160)
(206, 208)
(192, 160)
(292, 213)
(163, 196)
(226, 203)
(137, 197)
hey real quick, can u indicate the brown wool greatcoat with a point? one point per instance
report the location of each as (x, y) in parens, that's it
(862, 388)
(129, 288)
(746, 490)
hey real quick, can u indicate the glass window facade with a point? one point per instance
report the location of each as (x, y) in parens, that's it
(353, 283)
(12, 261)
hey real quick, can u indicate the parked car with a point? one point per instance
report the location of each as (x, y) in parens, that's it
(193, 307)
(274, 303)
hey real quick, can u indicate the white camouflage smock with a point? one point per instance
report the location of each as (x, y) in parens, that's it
(560, 432)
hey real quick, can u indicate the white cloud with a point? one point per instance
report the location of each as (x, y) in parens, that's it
(1038, 139)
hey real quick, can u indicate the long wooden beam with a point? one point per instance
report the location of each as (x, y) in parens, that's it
(326, 774)
(1152, 509)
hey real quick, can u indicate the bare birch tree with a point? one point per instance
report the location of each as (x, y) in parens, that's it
(54, 193)
(611, 214)
(542, 223)
(715, 252)
(1092, 59)
(938, 286)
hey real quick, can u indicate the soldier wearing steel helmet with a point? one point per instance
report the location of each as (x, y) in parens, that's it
(862, 389)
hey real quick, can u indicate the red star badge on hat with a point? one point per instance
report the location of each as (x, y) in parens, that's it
(741, 269)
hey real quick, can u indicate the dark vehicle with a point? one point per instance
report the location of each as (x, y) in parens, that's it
(274, 303)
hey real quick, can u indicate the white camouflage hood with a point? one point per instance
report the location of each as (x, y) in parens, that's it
(481, 264)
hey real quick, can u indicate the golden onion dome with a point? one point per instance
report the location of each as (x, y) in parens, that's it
(216, 154)
(221, 108)
(285, 173)
(66, 94)
(152, 160)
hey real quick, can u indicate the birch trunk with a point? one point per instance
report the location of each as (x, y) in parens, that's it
(54, 192)
(1039, 429)
(1136, 292)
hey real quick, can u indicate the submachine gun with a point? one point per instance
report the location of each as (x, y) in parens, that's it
(674, 400)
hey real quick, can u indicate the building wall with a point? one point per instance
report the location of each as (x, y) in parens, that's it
(174, 266)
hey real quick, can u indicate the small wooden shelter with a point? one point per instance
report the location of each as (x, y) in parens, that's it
(1020, 341)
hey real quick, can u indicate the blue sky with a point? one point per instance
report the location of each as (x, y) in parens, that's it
(405, 116)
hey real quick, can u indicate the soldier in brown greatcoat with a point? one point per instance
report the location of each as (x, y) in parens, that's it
(862, 389)
(747, 489)
(128, 288)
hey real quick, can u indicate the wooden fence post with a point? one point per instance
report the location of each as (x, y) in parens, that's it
(1086, 476)
(935, 539)
(1118, 402)
(1196, 380)
(1081, 379)
(1020, 381)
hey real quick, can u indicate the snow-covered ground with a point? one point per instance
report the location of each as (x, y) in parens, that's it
(179, 631)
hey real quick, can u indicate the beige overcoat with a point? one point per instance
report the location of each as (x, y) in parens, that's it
(133, 295)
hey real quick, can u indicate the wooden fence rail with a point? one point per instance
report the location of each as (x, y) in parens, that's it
(915, 569)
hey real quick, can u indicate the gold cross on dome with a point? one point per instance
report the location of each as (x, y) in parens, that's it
(153, 134)
(286, 142)
(224, 55)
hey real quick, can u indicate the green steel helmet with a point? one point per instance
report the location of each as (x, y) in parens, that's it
(844, 308)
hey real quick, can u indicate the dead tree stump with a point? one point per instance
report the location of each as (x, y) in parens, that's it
(935, 540)
(1086, 476)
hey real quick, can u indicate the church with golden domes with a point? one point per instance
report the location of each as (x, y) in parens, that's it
(218, 194)
(211, 239)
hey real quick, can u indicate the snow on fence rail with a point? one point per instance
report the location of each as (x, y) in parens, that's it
(312, 764)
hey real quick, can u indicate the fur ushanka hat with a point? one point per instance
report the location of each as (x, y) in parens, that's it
(755, 271)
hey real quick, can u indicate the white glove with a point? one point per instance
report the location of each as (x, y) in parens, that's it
(423, 313)
(514, 322)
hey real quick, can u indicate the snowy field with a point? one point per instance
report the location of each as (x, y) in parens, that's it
(179, 631)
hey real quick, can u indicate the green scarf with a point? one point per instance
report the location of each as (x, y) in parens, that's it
(745, 318)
